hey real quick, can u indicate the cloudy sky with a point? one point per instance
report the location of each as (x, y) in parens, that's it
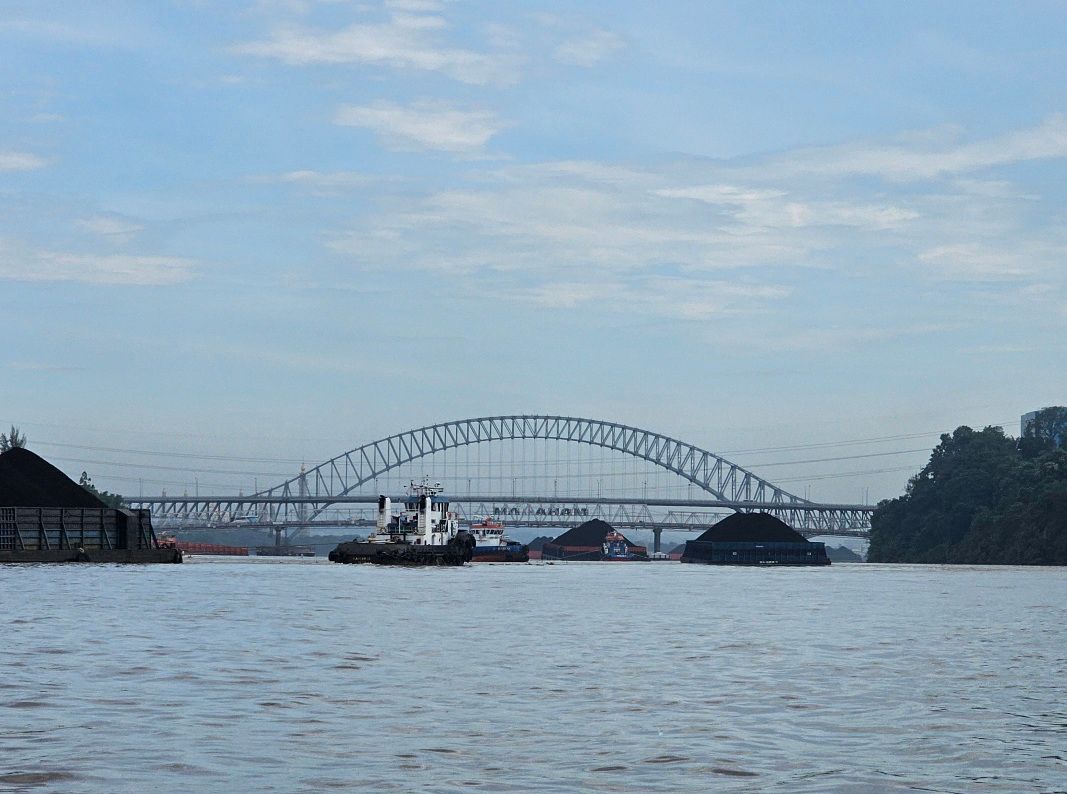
(284, 227)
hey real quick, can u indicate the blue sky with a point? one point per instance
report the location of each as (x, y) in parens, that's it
(282, 228)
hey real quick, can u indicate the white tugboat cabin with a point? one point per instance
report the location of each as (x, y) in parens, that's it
(424, 521)
(423, 532)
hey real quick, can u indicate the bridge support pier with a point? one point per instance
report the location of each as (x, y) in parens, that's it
(656, 532)
(278, 531)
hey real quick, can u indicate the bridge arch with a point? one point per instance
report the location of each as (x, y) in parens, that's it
(712, 473)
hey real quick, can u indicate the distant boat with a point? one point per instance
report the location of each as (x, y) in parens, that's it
(492, 546)
(424, 532)
(616, 548)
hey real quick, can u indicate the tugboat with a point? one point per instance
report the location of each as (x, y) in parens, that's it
(615, 548)
(423, 533)
(492, 546)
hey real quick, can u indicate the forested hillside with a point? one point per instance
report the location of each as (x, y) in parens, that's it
(982, 498)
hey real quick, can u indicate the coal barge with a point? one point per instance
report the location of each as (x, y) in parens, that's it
(754, 539)
(424, 532)
(47, 517)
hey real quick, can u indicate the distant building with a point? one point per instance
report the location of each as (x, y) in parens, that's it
(1047, 423)
(1026, 420)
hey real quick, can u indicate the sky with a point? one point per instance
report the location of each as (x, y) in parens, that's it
(277, 229)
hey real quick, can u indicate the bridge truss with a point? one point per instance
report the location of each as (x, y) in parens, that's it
(303, 498)
(521, 512)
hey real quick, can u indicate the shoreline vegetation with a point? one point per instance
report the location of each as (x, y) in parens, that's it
(983, 498)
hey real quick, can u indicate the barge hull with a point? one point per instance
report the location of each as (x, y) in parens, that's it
(751, 553)
(81, 534)
(92, 555)
(356, 552)
(501, 556)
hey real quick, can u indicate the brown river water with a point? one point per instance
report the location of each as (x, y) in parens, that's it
(229, 674)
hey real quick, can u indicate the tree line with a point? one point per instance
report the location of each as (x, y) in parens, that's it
(983, 498)
(12, 440)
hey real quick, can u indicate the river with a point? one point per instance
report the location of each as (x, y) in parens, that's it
(230, 674)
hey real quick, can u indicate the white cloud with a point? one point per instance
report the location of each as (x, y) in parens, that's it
(549, 219)
(423, 125)
(324, 183)
(589, 49)
(115, 269)
(582, 233)
(770, 208)
(105, 32)
(665, 296)
(409, 39)
(722, 194)
(111, 227)
(911, 159)
(979, 262)
(992, 188)
(20, 161)
(415, 6)
(548, 223)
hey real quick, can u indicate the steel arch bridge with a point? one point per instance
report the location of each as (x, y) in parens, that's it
(303, 497)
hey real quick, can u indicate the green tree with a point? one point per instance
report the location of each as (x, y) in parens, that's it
(982, 498)
(12, 439)
(110, 499)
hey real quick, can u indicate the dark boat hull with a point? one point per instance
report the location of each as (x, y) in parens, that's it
(355, 552)
(501, 555)
(751, 553)
(162, 555)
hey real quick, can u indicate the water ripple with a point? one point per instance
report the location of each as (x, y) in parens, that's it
(298, 675)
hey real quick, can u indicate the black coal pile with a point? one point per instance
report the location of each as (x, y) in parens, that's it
(28, 480)
(538, 543)
(752, 528)
(591, 533)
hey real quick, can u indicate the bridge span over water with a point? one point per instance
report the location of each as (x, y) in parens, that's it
(302, 500)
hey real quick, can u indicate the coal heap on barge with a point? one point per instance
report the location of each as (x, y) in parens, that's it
(28, 480)
(423, 533)
(47, 517)
(593, 541)
(754, 539)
